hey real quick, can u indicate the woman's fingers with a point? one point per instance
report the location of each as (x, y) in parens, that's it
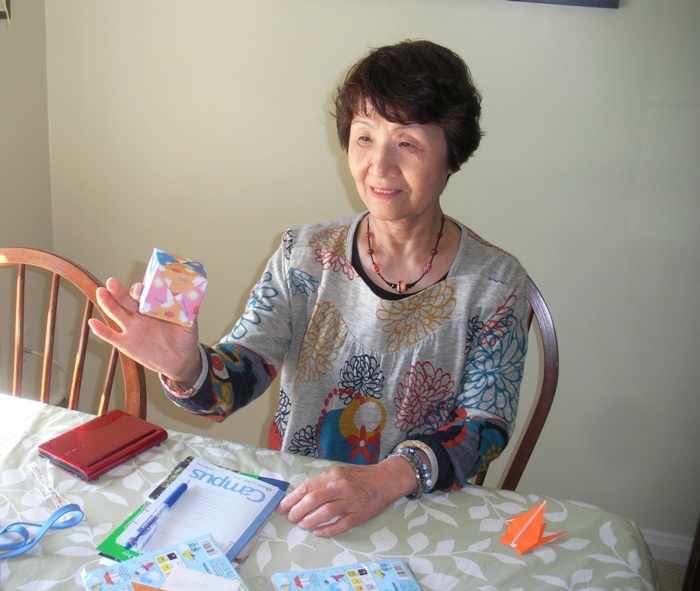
(162, 347)
(102, 331)
(128, 298)
(112, 308)
(136, 290)
(344, 497)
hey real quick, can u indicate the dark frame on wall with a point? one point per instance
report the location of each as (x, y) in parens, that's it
(593, 3)
(5, 15)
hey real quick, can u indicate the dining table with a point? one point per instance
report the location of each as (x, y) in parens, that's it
(450, 540)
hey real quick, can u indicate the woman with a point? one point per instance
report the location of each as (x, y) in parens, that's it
(399, 333)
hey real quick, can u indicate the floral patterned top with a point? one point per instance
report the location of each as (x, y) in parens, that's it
(361, 373)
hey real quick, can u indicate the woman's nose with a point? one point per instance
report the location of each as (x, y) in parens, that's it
(383, 161)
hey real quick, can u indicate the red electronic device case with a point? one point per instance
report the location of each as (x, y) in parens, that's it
(91, 449)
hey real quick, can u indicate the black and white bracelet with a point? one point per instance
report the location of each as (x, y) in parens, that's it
(429, 453)
(422, 471)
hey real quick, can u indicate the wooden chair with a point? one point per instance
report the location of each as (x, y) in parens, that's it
(63, 274)
(544, 397)
(691, 581)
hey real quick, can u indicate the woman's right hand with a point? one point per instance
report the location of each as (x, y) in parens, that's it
(164, 347)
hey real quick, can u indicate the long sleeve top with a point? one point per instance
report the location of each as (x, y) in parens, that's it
(361, 373)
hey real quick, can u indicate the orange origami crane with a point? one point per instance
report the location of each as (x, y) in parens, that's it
(525, 531)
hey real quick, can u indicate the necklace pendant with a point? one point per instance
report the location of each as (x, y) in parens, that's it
(402, 287)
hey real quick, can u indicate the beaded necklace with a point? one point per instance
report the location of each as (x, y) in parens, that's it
(400, 286)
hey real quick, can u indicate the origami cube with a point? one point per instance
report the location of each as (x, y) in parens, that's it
(173, 288)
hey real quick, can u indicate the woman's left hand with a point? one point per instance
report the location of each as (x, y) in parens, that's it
(346, 496)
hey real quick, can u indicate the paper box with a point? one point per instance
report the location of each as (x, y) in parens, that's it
(173, 288)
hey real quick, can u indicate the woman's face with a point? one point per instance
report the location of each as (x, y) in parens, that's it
(399, 170)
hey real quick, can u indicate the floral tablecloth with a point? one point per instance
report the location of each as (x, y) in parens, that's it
(451, 541)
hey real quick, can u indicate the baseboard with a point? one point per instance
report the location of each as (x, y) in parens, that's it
(668, 547)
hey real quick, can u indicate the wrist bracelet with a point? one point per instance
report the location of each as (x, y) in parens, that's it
(430, 454)
(178, 392)
(422, 472)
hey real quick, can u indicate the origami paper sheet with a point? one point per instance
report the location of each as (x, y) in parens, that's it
(173, 288)
(185, 579)
(525, 531)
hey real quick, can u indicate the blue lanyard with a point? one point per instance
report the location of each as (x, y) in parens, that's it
(9, 549)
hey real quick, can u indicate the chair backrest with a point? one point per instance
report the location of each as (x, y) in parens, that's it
(691, 581)
(63, 274)
(549, 371)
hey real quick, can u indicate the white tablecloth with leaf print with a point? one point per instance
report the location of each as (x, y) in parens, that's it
(451, 541)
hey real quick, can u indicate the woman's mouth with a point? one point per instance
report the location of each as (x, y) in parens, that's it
(384, 191)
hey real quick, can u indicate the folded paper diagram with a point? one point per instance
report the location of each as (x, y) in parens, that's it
(173, 288)
(525, 531)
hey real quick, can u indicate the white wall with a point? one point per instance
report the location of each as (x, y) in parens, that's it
(25, 192)
(203, 128)
(25, 196)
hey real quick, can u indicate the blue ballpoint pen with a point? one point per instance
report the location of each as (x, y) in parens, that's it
(147, 528)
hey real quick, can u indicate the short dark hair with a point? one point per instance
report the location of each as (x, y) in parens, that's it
(414, 82)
